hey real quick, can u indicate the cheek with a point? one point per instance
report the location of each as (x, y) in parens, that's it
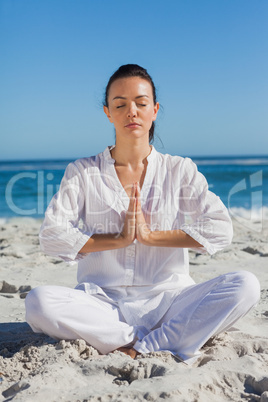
(150, 115)
(115, 116)
(117, 113)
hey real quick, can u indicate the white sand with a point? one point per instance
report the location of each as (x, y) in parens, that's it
(234, 366)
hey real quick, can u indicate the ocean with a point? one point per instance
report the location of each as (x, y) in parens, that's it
(26, 187)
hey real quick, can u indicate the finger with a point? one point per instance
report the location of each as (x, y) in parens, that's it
(138, 189)
(132, 200)
(138, 198)
(133, 189)
(132, 194)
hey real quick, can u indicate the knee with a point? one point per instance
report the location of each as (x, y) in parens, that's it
(248, 287)
(35, 303)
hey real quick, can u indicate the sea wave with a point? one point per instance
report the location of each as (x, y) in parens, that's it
(22, 167)
(232, 161)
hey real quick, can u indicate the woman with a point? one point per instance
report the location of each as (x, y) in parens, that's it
(128, 216)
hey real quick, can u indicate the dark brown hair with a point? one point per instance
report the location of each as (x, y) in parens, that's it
(132, 70)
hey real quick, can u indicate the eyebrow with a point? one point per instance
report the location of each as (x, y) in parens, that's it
(137, 97)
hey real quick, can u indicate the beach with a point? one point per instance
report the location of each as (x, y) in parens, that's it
(99, 134)
(232, 367)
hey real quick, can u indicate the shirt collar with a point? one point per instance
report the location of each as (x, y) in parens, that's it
(108, 158)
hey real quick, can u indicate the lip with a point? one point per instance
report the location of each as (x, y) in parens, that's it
(132, 125)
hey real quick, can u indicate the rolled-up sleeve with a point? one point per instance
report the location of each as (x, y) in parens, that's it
(60, 235)
(206, 217)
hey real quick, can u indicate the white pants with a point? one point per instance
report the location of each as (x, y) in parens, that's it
(198, 313)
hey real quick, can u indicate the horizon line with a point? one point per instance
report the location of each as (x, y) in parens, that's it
(59, 159)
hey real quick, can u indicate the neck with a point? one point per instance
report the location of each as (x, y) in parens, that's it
(134, 154)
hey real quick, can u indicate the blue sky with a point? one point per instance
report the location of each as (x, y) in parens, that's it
(208, 58)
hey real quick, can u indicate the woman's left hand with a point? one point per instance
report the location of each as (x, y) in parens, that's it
(164, 238)
(142, 230)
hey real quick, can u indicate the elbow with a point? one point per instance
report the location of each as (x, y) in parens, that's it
(46, 244)
(222, 238)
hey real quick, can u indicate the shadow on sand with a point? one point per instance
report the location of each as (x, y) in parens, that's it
(15, 335)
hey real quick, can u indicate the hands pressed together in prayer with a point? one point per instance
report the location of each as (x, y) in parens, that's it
(135, 226)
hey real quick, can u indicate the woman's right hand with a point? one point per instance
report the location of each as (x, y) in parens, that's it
(129, 230)
(112, 241)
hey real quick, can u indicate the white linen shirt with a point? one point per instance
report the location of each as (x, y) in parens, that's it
(141, 280)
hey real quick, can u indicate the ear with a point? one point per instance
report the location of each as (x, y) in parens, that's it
(156, 108)
(106, 111)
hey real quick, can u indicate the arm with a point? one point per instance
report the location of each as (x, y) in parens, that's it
(208, 220)
(60, 235)
(169, 238)
(209, 228)
(166, 238)
(135, 226)
(111, 241)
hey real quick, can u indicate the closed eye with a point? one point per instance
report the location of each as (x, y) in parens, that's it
(118, 107)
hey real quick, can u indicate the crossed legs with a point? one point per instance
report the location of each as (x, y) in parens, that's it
(199, 312)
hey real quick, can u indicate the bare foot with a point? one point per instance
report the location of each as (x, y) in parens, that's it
(129, 351)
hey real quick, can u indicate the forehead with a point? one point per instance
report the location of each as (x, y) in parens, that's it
(130, 86)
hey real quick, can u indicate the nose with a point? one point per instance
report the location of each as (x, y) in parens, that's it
(132, 111)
